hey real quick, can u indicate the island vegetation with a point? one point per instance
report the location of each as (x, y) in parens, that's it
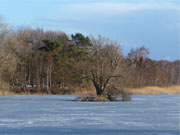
(35, 61)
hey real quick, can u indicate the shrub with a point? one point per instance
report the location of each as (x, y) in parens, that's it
(117, 94)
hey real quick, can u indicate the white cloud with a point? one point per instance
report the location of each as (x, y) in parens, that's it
(108, 8)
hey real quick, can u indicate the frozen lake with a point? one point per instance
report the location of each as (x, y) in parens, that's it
(59, 115)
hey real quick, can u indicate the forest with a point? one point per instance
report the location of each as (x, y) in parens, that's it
(53, 62)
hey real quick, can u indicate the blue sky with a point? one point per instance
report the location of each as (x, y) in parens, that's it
(154, 24)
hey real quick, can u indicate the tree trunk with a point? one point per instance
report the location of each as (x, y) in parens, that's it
(47, 81)
(99, 90)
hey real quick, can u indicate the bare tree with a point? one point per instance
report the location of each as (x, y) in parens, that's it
(137, 59)
(103, 64)
(8, 59)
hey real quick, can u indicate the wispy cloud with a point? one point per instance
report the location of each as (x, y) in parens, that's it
(111, 8)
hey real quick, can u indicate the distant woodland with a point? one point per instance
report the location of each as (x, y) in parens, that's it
(39, 61)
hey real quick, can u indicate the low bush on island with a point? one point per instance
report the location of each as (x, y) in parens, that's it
(112, 94)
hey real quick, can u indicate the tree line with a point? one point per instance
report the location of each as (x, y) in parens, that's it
(53, 62)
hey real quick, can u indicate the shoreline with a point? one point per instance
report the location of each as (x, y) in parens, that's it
(152, 90)
(42, 95)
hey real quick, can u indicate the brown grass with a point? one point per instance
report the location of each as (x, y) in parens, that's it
(4, 89)
(84, 91)
(6, 93)
(154, 90)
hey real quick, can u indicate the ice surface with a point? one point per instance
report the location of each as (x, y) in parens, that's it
(57, 115)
